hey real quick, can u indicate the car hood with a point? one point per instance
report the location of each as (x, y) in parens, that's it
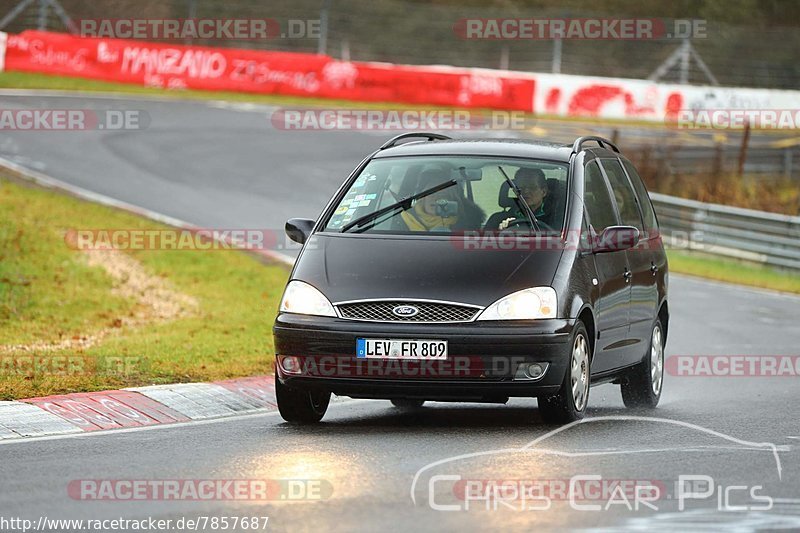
(355, 267)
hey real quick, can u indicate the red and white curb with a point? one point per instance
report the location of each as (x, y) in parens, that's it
(135, 407)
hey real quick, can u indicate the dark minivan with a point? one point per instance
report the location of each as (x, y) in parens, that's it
(477, 270)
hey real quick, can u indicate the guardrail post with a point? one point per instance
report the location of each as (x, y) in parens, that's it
(716, 166)
(555, 63)
(192, 15)
(787, 162)
(322, 43)
(504, 57)
(743, 148)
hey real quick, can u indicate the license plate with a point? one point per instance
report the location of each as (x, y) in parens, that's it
(400, 349)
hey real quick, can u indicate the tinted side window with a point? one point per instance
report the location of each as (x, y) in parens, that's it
(644, 200)
(623, 193)
(598, 200)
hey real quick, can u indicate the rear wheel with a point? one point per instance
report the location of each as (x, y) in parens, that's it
(407, 405)
(643, 386)
(569, 404)
(301, 406)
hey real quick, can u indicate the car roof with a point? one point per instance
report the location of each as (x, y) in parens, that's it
(485, 147)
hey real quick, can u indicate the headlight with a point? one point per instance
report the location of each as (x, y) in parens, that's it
(303, 299)
(539, 302)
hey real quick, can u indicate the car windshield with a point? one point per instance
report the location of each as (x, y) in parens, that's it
(471, 194)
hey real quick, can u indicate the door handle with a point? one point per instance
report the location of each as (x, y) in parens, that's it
(628, 275)
(653, 268)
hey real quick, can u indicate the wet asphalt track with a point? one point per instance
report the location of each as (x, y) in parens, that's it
(224, 166)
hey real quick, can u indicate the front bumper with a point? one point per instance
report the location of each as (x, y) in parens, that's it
(483, 358)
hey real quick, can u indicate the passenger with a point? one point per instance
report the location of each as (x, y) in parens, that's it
(446, 210)
(626, 211)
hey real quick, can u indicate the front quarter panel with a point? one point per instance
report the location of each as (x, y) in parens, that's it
(573, 278)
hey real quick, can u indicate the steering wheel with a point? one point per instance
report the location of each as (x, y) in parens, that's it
(519, 222)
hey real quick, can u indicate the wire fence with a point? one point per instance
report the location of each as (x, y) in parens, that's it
(404, 31)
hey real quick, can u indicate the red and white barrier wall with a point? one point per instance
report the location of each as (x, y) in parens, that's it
(226, 69)
(618, 98)
(298, 74)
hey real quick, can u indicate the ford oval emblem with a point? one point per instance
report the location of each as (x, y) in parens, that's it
(405, 310)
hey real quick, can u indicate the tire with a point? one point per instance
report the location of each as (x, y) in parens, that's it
(569, 404)
(645, 382)
(407, 405)
(299, 406)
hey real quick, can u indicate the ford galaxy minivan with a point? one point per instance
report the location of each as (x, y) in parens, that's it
(477, 270)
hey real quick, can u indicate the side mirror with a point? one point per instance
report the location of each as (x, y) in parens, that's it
(616, 239)
(298, 229)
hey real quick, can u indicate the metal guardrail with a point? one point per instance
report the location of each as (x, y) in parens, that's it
(687, 160)
(748, 234)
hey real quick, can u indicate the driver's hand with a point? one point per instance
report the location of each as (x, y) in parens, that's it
(504, 224)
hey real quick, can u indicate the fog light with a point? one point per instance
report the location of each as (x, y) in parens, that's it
(531, 371)
(291, 364)
(534, 371)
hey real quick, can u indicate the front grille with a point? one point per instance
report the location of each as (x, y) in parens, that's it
(427, 311)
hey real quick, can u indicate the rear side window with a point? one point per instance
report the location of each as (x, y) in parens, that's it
(623, 194)
(648, 213)
(598, 200)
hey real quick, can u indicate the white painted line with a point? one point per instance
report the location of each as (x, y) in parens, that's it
(745, 288)
(105, 95)
(54, 183)
(242, 107)
(25, 420)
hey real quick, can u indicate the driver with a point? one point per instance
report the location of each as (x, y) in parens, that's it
(532, 183)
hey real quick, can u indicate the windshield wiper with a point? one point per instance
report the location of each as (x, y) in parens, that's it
(520, 200)
(399, 206)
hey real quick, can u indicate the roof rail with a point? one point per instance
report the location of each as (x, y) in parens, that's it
(602, 141)
(430, 136)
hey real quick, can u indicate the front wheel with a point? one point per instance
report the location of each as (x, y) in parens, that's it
(301, 407)
(643, 386)
(569, 404)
